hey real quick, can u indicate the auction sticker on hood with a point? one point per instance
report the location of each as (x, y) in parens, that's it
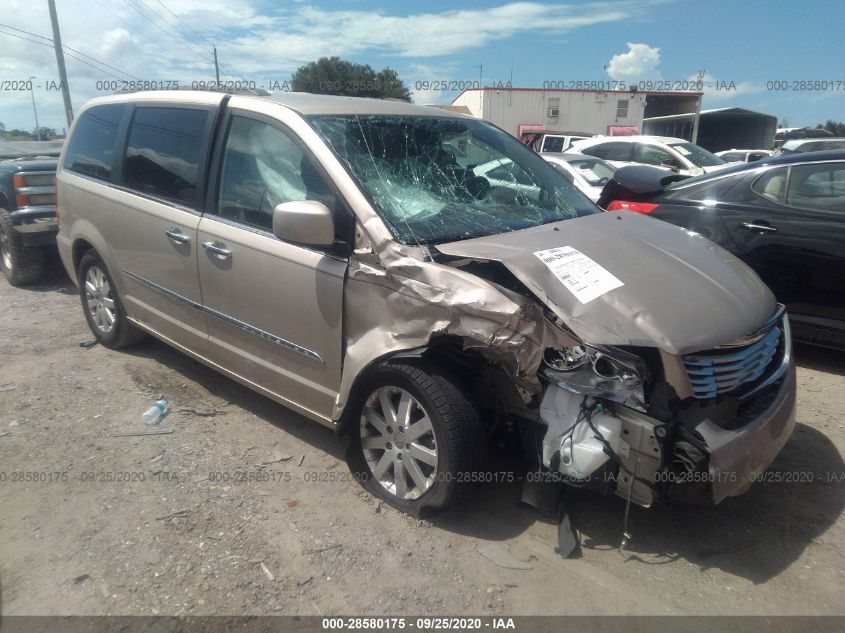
(583, 277)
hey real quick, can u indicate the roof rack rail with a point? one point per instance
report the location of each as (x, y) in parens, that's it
(257, 92)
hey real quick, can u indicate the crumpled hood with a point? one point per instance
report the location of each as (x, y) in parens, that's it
(681, 293)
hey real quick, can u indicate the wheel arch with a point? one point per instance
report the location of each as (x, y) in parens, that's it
(439, 351)
(86, 236)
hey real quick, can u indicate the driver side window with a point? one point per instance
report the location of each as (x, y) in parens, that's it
(263, 167)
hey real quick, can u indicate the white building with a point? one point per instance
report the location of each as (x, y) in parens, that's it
(518, 110)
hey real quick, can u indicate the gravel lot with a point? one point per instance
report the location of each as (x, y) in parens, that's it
(160, 529)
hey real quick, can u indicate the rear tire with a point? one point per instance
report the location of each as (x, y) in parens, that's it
(416, 440)
(102, 306)
(22, 265)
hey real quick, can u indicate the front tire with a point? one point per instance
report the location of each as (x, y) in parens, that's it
(22, 265)
(102, 306)
(416, 440)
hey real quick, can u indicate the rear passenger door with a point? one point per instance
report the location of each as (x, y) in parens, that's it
(273, 308)
(152, 225)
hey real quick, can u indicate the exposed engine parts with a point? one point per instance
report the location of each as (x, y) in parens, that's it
(592, 443)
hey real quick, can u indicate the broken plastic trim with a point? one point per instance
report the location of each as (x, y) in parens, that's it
(590, 371)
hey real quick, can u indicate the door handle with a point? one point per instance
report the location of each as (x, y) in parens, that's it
(764, 228)
(215, 248)
(176, 236)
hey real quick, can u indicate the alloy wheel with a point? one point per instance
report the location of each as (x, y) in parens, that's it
(398, 442)
(99, 298)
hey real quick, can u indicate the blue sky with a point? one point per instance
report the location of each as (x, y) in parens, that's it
(742, 44)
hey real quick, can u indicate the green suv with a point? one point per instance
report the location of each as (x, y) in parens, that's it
(27, 217)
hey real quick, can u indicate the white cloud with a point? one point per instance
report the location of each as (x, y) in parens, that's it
(640, 62)
(147, 41)
(310, 32)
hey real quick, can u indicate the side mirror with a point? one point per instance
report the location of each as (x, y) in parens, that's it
(306, 222)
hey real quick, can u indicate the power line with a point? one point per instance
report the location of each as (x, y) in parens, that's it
(176, 37)
(120, 17)
(180, 34)
(68, 48)
(79, 59)
(205, 37)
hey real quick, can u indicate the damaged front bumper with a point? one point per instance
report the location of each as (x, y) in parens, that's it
(592, 441)
(738, 456)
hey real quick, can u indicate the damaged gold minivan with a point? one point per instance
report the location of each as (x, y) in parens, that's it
(421, 282)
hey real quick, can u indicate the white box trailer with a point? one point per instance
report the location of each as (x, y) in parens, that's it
(518, 110)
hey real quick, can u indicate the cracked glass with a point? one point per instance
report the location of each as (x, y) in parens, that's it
(437, 179)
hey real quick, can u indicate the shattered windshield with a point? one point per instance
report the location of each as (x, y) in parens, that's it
(437, 179)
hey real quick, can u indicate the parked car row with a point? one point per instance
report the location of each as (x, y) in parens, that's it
(673, 154)
(421, 281)
(743, 155)
(797, 146)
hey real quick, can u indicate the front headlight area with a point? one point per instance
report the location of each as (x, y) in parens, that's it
(591, 440)
(604, 372)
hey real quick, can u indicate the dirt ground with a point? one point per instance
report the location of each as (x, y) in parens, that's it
(246, 508)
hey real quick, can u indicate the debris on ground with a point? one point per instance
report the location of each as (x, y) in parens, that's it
(277, 457)
(156, 413)
(320, 550)
(203, 413)
(174, 515)
(267, 572)
(499, 556)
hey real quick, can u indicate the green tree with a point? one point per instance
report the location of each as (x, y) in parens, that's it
(47, 134)
(336, 76)
(834, 127)
(19, 135)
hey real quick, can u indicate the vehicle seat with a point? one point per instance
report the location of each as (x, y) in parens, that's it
(775, 188)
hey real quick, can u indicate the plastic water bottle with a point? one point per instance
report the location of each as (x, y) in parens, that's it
(155, 413)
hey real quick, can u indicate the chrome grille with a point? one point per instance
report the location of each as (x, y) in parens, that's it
(720, 371)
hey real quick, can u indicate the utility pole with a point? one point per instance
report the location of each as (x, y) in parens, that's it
(216, 67)
(60, 61)
(695, 121)
(34, 111)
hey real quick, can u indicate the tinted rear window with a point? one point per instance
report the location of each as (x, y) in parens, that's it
(90, 150)
(164, 152)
